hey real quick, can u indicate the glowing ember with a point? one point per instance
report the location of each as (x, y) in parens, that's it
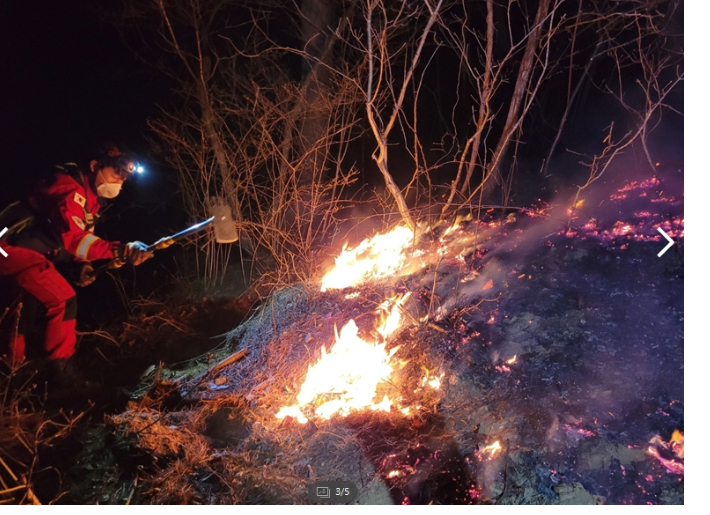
(578, 432)
(672, 466)
(489, 452)
(621, 229)
(383, 255)
(670, 454)
(510, 361)
(643, 227)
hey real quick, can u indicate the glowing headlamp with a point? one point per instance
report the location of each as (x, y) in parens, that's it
(127, 169)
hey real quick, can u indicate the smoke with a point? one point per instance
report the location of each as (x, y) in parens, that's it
(628, 204)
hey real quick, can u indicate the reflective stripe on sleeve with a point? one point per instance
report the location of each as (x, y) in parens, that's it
(82, 250)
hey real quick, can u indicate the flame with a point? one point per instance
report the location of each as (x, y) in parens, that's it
(510, 361)
(347, 378)
(451, 229)
(678, 444)
(383, 255)
(344, 379)
(433, 383)
(489, 451)
(391, 315)
(436, 382)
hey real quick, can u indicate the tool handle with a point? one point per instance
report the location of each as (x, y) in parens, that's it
(166, 242)
(162, 243)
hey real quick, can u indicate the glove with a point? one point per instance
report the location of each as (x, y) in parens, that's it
(86, 275)
(135, 252)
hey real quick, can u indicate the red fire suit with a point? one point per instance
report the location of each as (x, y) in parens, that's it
(71, 205)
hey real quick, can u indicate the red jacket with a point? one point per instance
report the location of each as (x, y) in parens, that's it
(71, 205)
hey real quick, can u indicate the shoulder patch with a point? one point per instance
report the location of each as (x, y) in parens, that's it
(79, 199)
(79, 222)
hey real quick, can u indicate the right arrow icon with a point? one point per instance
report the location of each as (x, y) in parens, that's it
(670, 242)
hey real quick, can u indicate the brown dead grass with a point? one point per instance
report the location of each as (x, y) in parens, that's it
(271, 460)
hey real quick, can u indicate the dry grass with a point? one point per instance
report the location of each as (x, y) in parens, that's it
(230, 448)
(25, 429)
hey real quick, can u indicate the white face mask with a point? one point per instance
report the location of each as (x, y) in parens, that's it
(108, 190)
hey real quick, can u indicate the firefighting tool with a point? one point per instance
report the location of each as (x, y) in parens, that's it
(221, 221)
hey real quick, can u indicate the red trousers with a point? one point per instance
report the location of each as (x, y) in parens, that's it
(40, 285)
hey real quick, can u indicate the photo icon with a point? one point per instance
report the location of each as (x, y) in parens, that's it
(323, 492)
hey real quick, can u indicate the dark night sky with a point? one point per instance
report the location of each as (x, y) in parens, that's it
(69, 81)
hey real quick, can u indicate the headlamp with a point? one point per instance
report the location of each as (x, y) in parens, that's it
(128, 168)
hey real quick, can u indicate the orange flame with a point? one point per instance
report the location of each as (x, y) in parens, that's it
(346, 378)
(489, 452)
(678, 444)
(383, 255)
(391, 315)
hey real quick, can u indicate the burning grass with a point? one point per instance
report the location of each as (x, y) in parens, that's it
(505, 379)
(274, 457)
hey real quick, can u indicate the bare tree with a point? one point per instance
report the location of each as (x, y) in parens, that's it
(275, 143)
(489, 77)
(661, 73)
(382, 87)
(247, 131)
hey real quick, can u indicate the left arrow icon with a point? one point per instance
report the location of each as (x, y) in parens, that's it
(4, 254)
(670, 242)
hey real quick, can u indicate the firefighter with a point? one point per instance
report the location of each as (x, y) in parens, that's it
(65, 210)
